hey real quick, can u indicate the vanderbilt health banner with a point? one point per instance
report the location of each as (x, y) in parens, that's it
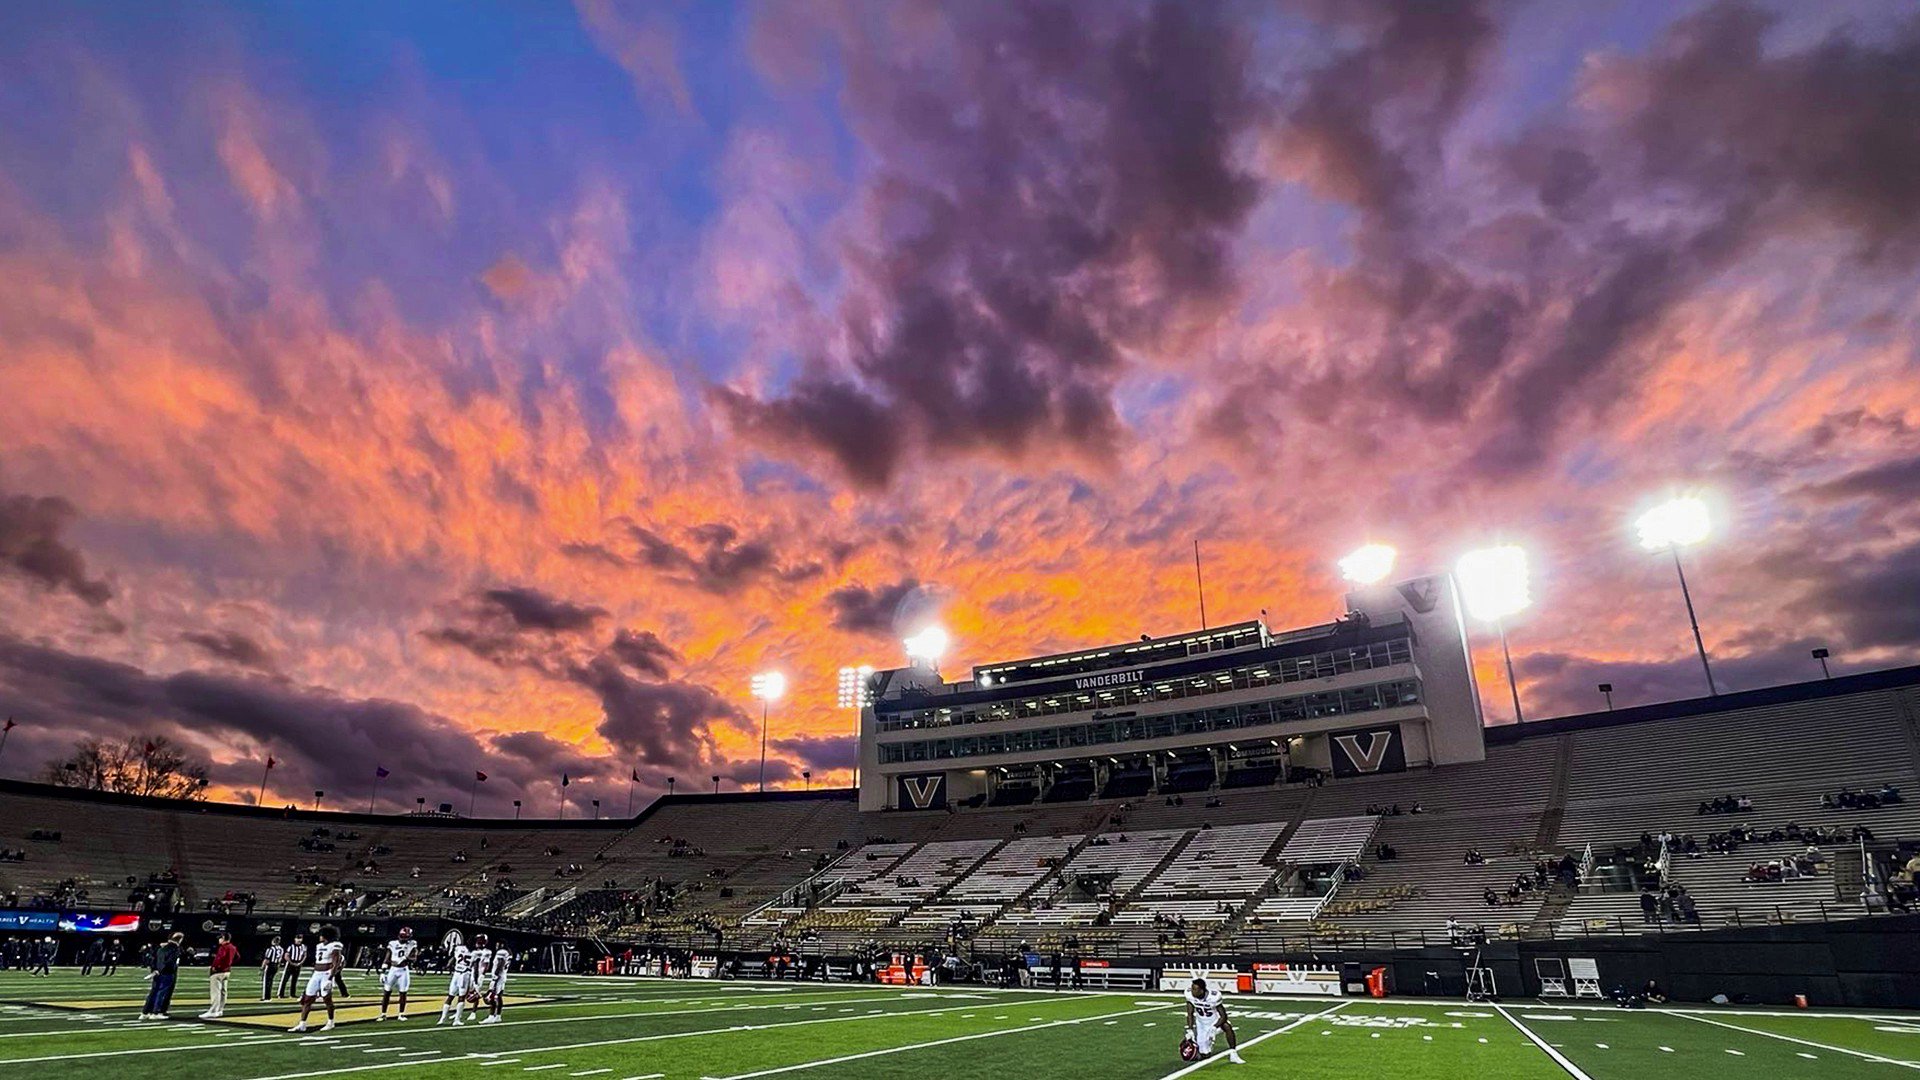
(924, 791)
(1369, 751)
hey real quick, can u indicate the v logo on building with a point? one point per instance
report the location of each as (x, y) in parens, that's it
(924, 792)
(1363, 753)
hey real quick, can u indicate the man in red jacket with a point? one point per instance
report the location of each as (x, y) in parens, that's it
(219, 970)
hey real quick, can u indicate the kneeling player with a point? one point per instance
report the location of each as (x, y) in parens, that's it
(328, 956)
(494, 983)
(1207, 1014)
(398, 978)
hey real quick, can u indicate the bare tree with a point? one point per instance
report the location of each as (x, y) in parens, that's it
(142, 765)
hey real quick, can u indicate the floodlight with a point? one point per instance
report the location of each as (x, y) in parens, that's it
(853, 687)
(1679, 522)
(1368, 565)
(929, 644)
(769, 685)
(1493, 582)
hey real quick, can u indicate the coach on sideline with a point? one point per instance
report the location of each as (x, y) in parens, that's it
(219, 970)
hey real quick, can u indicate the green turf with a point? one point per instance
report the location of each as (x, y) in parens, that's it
(66, 1026)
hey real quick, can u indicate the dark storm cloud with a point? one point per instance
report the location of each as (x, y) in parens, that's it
(31, 544)
(821, 753)
(324, 739)
(1056, 188)
(644, 652)
(1870, 598)
(713, 559)
(654, 722)
(515, 626)
(1527, 305)
(1368, 125)
(1558, 684)
(879, 609)
(531, 609)
(231, 646)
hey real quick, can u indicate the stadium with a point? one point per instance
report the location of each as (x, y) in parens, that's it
(1333, 839)
(963, 539)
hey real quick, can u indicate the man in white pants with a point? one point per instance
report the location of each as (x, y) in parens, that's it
(398, 978)
(1207, 1015)
(460, 985)
(328, 958)
(494, 985)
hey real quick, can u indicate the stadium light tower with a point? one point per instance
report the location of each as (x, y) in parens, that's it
(1368, 565)
(855, 694)
(1680, 522)
(1494, 584)
(767, 686)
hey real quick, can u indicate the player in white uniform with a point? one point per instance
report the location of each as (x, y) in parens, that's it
(1206, 1015)
(494, 983)
(328, 958)
(398, 978)
(460, 988)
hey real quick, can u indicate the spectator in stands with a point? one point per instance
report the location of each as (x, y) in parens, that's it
(1474, 858)
(1649, 905)
(1386, 852)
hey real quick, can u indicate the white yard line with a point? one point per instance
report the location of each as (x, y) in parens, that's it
(1559, 1058)
(397, 1030)
(519, 1052)
(844, 1058)
(1257, 1039)
(1803, 1042)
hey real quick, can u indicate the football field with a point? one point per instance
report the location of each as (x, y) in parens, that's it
(622, 1029)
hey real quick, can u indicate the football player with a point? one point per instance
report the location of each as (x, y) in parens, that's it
(1206, 1016)
(328, 957)
(460, 985)
(495, 982)
(398, 978)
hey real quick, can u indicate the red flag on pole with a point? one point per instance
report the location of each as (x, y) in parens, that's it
(478, 775)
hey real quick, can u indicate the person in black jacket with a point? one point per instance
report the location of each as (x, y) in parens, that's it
(166, 969)
(113, 958)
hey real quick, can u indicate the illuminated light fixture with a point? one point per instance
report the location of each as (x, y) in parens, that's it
(767, 686)
(1368, 565)
(1681, 521)
(986, 680)
(1494, 584)
(1678, 522)
(853, 692)
(929, 644)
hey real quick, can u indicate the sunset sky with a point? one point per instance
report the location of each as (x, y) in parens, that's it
(443, 386)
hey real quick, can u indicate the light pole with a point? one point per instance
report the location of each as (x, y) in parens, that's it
(1680, 522)
(1607, 689)
(855, 695)
(806, 776)
(716, 785)
(1821, 655)
(669, 785)
(1494, 583)
(767, 686)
